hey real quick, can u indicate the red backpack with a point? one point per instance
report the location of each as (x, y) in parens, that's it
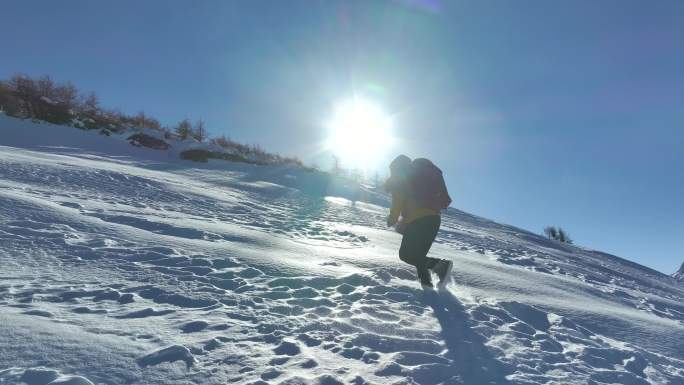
(427, 185)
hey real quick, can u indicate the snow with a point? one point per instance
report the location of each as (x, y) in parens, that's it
(127, 265)
(40, 376)
(679, 275)
(47, 100)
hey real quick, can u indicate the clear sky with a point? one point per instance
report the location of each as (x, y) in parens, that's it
(539, 112)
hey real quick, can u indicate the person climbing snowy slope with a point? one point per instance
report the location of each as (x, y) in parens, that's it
(418, 195)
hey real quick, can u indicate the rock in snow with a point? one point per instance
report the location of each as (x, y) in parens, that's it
(170, 354)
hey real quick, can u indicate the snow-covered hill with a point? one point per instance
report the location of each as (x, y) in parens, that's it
(679, 275)
(123, 265)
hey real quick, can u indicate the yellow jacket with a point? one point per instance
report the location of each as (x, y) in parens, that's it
(405, 205)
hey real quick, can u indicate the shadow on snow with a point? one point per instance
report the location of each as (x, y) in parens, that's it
(472, 362)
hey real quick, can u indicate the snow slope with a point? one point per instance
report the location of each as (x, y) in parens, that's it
(123, 265)
(680, 273)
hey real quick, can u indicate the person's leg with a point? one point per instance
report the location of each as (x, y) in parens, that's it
(407, 248)
(442, 267)
(411, 250)
(431, 262)
(416, 243)
(424, 274)
(429, 227)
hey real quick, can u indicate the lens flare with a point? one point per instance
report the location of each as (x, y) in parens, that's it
(360, 134)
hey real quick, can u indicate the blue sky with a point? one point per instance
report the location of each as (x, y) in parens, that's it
(565, 113)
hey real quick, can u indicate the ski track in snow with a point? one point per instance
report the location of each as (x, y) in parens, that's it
(118, 271)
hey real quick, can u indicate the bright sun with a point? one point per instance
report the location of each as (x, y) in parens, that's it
(360, 134)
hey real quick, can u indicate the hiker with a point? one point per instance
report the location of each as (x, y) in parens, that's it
(418, 195)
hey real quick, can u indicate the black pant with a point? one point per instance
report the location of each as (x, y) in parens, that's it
(417, 240)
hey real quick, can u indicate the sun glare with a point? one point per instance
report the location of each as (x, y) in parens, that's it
(360, 134)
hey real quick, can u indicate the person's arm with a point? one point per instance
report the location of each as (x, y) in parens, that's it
(398, 202)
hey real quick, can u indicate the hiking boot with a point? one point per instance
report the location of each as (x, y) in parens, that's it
(425, 279)
(427, 287)
(443, 271)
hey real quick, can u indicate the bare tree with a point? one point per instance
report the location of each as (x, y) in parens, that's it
(25, 90)
(9, 103)
(336, 168)
(140, 119)
(557, 234)
(45, 87)
(184, 128)
(551, 232)
(563, 236)
(200, 131)
(66, 95)
(91, 103)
